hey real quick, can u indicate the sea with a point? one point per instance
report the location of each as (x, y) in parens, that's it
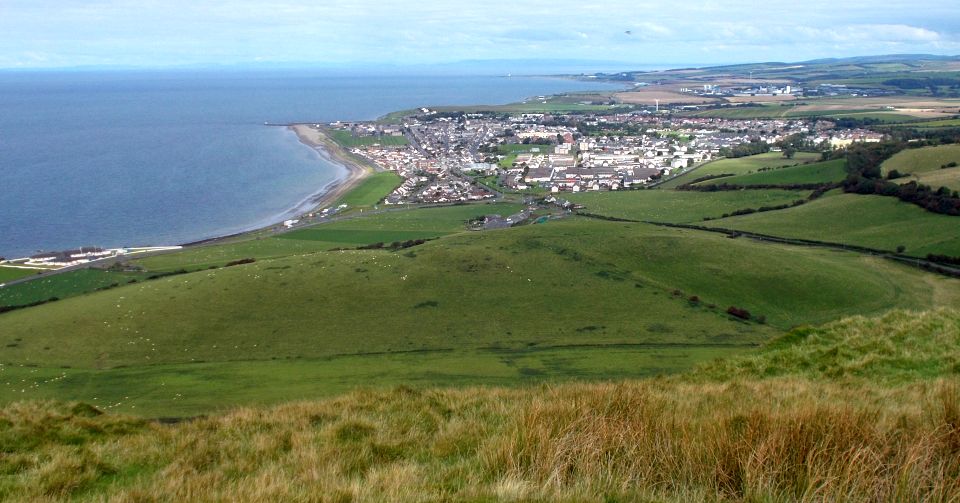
(137, 158)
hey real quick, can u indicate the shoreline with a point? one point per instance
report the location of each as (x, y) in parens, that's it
(320, 142)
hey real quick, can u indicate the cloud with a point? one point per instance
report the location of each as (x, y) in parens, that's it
(163, 32)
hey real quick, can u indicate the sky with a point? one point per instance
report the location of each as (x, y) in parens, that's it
(167, 33)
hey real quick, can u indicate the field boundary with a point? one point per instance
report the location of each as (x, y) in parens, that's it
(917, 262)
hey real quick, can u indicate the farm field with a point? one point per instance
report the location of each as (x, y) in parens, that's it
(949, 178)
(741, 166)
(673, 206)
(821, 172)
(65, 285)
(358, 229)
(872, 221)
(945, 123)
(497, 297)
(922, 160)
(13, 273)
(372, 190)
(347, 139)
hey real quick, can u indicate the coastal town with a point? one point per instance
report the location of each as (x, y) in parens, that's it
(448, 157)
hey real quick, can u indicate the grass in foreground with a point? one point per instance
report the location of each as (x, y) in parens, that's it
(802, 436)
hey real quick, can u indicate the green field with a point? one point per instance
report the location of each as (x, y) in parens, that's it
(372, 190)
(512, 306)
(679, 206)
(821, 172)
(922, 160)
(872, 221)
(14, 273)
(741, 166)
(944, 123)
(745, 112)
(347, 139)
(777, 111)
(358, 229)
(886, 118)
(949, 178)
(202, 388)
(65, 285)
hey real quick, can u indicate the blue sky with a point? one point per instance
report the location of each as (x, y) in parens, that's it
(158, 33)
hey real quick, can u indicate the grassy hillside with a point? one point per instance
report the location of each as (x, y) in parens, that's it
(741, 166)
(894, 348)
(372, 227)
(800, 436)
(872, 221)
(921, 160)
(572, 299)
(65, 285)
(678, 206)
(949, 177)
(821, 172)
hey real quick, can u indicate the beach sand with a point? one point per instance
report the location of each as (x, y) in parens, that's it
(356, 172)
(316, 139)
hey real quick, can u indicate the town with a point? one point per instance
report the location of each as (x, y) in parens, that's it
(447, 157)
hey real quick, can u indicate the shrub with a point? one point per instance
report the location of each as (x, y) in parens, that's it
(737, 312)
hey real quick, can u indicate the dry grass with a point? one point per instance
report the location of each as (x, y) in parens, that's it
(858, 429)
(773, 440)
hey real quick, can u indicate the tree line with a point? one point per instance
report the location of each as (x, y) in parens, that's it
(865, 176)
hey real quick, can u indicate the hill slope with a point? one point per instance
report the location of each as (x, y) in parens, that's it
(576, 298)
(786, 438)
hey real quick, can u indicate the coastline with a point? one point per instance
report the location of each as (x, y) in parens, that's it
(318, 140)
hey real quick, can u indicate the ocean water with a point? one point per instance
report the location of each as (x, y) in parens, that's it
(157, 158)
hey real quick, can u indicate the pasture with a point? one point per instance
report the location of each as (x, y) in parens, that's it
(821, 172)
(372, 227)
(922, 160)
(15, 273)
(741, 166)
(65, 285)
(879, 222)
(674, 206)
(372, 189)
(574, 299)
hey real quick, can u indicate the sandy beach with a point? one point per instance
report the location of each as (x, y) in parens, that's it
(316, 139)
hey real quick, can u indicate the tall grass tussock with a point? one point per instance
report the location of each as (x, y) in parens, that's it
(874, 429)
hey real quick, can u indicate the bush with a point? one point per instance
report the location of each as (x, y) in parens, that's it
(737, 312)
(241, 262)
